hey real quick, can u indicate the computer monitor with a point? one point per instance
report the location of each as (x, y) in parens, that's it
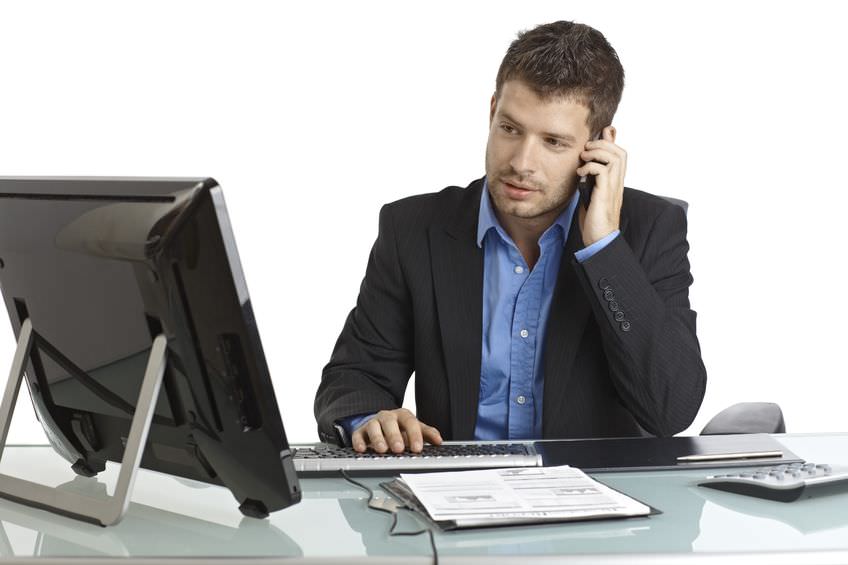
(113, 287)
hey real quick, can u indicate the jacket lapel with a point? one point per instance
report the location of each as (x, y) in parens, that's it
(458, 283)
(566, 322)
(570, 312)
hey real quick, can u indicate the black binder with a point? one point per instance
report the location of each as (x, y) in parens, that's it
(660, 453)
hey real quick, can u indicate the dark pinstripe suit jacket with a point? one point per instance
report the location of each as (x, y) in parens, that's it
(620, 345)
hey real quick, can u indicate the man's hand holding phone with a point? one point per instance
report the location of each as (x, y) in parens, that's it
(394, 430)
(608, 163)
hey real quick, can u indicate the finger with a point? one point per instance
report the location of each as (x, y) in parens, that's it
(615, 168)
(598, 154)
(591, 168)
(614, 171)
(357, 439)
(374, 431)
(431, 434)
(391, 431)
(607, 145)
(412, 427)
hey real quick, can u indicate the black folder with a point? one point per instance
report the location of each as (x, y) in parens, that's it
(660, 453)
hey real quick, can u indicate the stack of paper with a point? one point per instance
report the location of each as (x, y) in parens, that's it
(467, 499)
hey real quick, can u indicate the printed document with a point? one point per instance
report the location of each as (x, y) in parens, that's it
(518, 495)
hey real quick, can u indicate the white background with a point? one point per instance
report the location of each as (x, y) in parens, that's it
(313, 115)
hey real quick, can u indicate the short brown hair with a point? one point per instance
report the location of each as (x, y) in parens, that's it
(568, 60)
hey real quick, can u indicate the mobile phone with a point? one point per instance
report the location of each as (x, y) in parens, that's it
(586, 183)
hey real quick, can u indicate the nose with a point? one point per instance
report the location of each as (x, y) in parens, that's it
(523, 161)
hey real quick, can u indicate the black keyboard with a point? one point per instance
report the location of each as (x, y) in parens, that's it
(329, 459)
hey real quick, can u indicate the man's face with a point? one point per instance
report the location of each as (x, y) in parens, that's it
(533, 153)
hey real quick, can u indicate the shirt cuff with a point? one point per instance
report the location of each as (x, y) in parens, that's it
(351, 423)
(587, 252)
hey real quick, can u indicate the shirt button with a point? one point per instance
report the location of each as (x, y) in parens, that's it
(523, 333)
(519, 269)
(521, 399)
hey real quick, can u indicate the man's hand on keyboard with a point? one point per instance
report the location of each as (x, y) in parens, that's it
(394, 430)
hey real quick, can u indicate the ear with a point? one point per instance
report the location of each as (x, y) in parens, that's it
(493, 105)
(609, 133)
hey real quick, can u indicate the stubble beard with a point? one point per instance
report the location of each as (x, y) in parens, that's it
(546, 203)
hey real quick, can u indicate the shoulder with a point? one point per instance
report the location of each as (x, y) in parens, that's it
(435, 208)
(647, 216)
(638, 203)
(448, 198)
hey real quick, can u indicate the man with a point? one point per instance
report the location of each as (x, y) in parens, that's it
(523, 312)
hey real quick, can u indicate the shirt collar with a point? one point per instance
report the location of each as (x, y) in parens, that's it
(487, 219)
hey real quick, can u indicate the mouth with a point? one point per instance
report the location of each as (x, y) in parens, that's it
(517, 186)
(517, 191)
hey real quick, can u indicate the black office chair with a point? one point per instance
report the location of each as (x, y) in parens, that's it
(747, 418)
(744, 417)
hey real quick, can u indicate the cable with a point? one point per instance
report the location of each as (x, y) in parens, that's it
(392, 532)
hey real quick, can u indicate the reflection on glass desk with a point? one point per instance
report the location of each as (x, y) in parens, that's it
(170, 518)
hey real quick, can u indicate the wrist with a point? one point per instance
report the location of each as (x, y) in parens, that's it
(590, 237)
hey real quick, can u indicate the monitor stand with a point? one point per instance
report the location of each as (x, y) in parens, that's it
(104, 512)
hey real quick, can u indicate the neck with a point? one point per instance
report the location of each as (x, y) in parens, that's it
(525, 232)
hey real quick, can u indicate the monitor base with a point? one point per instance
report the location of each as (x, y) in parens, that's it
(104, 512)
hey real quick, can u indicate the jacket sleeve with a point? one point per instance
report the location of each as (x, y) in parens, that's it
(647, 327)
(373, 357)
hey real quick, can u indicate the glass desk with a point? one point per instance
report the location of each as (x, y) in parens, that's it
(182, 521)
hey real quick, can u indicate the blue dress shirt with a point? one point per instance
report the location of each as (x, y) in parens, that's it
(516, 305)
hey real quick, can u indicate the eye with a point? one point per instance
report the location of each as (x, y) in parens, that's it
(507, 128)
(553, 142)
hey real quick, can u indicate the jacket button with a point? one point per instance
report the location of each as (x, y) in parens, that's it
(625, 326)
(603, 283)
(613, 306)
(608, 295)
(619, 316)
